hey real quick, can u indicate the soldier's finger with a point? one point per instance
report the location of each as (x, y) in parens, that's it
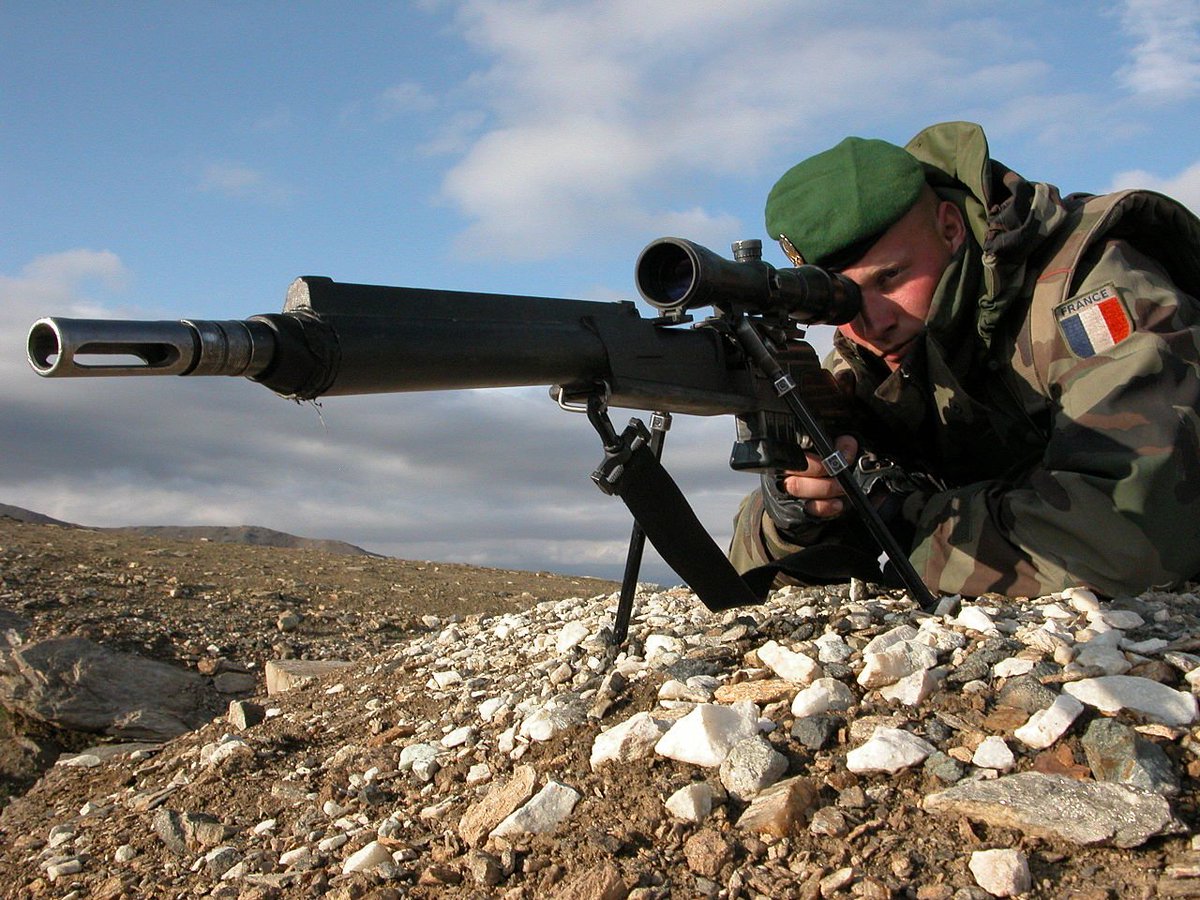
(820, 487)
(824, 509)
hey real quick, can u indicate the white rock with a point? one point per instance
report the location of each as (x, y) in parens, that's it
(548, 721)
(659, 645)
(831, 648)
(80, 761)
(414, 753)
(333, 842)
(973, 618)
(72, 866)
(1047, 725)
(488, 708)
(691, 692)
(632, 739)
(692, 803)
(215, 754)
(1156, 701)
(445, 679)
(1014, 665)
(459, 736)
(299, 855)
(573, 634)
(821, 696)
(543, 813)
(373, 854)
(705, 736)
(1101, 636)
(993, 753)
(933, 634)
(1042, 641)
(124, 853)
(788, 664)
(1124, 619)
(897, 635)
(911, 690)
(1146, 647)
(888, 750)
(1002, 873)
(897, 661)
(1099, 655)
(1081, 599)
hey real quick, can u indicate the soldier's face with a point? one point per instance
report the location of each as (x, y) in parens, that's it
(899, 275)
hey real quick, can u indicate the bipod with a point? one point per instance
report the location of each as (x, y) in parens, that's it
(617, 449)
(660, 424)
(632, 470)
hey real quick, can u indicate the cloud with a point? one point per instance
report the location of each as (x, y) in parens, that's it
(1165, 61)
(597, 120)
(241, 182)
(408, 96)
(1184, 187)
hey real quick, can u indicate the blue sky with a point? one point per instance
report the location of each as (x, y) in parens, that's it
(190, 159)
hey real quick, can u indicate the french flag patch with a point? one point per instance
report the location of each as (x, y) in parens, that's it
(1092, 323)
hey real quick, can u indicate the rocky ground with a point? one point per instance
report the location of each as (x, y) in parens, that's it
(485, 740)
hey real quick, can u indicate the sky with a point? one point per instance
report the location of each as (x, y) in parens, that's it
(165, 161)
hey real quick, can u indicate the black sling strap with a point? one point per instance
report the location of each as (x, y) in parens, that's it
(632, 471)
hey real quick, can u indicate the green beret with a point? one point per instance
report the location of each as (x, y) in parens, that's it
(833, 206)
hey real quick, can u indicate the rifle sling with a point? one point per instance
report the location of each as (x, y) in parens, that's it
(670, 524)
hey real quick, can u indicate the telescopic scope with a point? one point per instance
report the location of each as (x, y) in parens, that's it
(675, 275)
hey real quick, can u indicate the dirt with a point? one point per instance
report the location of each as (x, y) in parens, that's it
(183, 601)
(187, 603)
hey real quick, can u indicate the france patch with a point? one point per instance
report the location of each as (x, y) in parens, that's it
(1092, 323)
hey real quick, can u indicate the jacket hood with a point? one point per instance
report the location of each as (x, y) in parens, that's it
(1009, 217)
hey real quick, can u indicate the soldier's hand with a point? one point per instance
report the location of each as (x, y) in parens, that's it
(820, 491)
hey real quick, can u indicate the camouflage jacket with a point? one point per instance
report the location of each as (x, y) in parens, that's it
(1056, 392)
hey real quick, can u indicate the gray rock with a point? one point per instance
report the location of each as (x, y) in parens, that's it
(1054, 806)
(169, 828)
(235, 682)
(978, 665)
(1116, 752)
(1026, 693)
(74, 683)
(815, 732)
(243, 714)
(944, 767)
(751, 766)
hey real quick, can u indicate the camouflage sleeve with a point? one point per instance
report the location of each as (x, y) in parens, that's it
(756, 540)
(1115, 501)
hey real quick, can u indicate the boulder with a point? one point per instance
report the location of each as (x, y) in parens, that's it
(76, 684)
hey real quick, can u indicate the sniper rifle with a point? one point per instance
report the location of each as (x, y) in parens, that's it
(748, 360)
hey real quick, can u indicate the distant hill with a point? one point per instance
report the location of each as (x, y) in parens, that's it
(27, 515)
(217, 534)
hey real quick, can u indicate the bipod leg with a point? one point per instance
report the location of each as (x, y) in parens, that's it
(616, 448)
(660, 424)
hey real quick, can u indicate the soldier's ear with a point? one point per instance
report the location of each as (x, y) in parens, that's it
(951, 227)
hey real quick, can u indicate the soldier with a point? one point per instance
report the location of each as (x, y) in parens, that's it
(1035, 358)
